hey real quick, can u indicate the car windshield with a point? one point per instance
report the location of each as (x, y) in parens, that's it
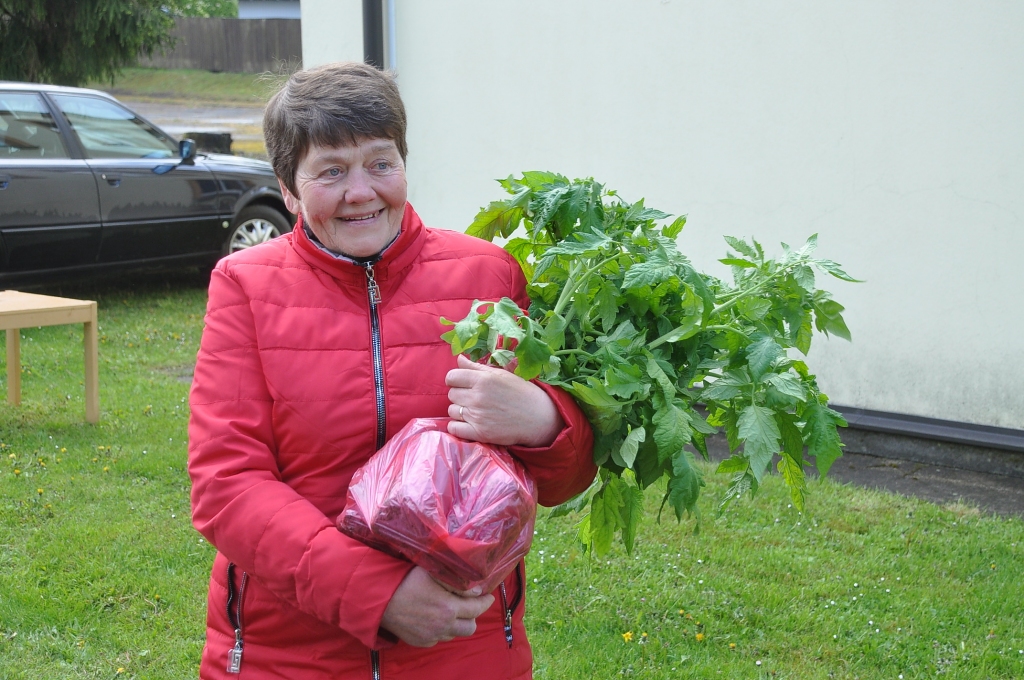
(27, 130)
(108, 130)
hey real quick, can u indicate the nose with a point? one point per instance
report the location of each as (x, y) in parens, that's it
(359, 189)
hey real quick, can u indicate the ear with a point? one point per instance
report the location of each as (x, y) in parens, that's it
(291, 202)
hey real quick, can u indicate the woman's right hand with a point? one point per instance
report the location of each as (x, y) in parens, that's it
(422, 613)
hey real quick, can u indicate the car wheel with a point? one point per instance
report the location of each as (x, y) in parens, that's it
(254, 225)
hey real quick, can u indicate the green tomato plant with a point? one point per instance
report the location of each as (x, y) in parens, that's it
(647, 346)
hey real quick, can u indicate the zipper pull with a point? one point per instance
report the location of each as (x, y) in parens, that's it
(371, 286)
(235, 655)
(508, 616)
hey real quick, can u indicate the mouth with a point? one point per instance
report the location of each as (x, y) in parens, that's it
(362, 218)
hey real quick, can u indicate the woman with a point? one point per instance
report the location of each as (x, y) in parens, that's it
(318, 347)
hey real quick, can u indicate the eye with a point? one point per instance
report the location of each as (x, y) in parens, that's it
(334, 172)
(382, 165)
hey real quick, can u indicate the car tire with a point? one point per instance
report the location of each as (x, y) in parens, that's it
(254, 225)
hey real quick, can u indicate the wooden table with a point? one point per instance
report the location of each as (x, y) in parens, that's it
(23, 310)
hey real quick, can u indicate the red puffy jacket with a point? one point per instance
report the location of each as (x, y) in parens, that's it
(299, 379)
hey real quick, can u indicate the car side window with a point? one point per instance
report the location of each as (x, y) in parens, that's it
(108, 130)
(27, 130)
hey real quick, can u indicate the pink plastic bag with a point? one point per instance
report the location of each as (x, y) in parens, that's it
(462, 510)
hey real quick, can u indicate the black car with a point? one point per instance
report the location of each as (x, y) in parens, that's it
(87, 184)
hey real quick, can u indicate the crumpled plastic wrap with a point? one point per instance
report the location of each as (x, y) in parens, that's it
(462, 510)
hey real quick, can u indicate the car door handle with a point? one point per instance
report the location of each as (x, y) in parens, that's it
(112, 179)
(4, 181)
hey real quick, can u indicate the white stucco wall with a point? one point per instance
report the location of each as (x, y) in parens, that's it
(893, 129)
(332, 30)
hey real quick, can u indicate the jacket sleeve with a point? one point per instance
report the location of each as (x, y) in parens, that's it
(566, 467)
(239, 501)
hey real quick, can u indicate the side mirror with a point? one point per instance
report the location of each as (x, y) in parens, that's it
(187, 150)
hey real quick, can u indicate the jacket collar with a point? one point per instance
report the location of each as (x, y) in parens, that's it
(392, 261)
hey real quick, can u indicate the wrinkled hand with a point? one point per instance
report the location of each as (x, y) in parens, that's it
(495, 406)
(422, 613)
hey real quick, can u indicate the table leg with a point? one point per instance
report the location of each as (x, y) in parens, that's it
(92, 375)
(14, 366)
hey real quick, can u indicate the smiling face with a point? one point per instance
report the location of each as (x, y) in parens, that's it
(352, 197)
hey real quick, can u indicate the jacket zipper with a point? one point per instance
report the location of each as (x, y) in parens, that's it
(235, 618)
(509, 611)
(373, 292)
(375, 664)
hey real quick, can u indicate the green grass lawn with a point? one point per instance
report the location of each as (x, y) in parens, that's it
(193, 86)
(102, 576)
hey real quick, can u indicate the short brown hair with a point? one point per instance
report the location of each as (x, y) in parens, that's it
(331, 105)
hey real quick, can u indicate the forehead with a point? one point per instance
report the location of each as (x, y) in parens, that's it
(349, 153)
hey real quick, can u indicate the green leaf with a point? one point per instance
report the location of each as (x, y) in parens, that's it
(835, 270)
(726, 387)
(820, 433)
(733, 464)
(534, 356)
(674, 229)
(742, 482)
(606, 303)
(736, 262)
(504, 319)
(497, 219)
(685, 485)
(632, 512)
(787, 383)
(804, 275)
(741, 247)
(795, 478)
(576, 503)
(671, 430)
(661, 379)
(626, 453)
(602, 410)
(605, 513)
(803, 336)
(760, 355)
(760, 433)
(792, 438)
(828, 318)
(649, 273)
(754, 309)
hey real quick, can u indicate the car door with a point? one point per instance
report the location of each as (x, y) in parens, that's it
(49, 206)
(153, 204)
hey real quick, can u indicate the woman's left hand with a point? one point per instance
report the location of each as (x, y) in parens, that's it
(495, 406)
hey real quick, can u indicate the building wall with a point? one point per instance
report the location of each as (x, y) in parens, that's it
(332, 31)
(893, 130)
(269, 9)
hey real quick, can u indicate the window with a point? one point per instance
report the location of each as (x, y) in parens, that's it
(108, 130)
(27, 130)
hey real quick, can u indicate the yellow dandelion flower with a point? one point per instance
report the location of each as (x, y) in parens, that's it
(11, 455)
(681, 612)
(106, 469)
(17, 471)
(627, 636)
(63, 450)
(700, 637)
(993, 565)
(39, 491)
(732, 645)
(120, 670)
